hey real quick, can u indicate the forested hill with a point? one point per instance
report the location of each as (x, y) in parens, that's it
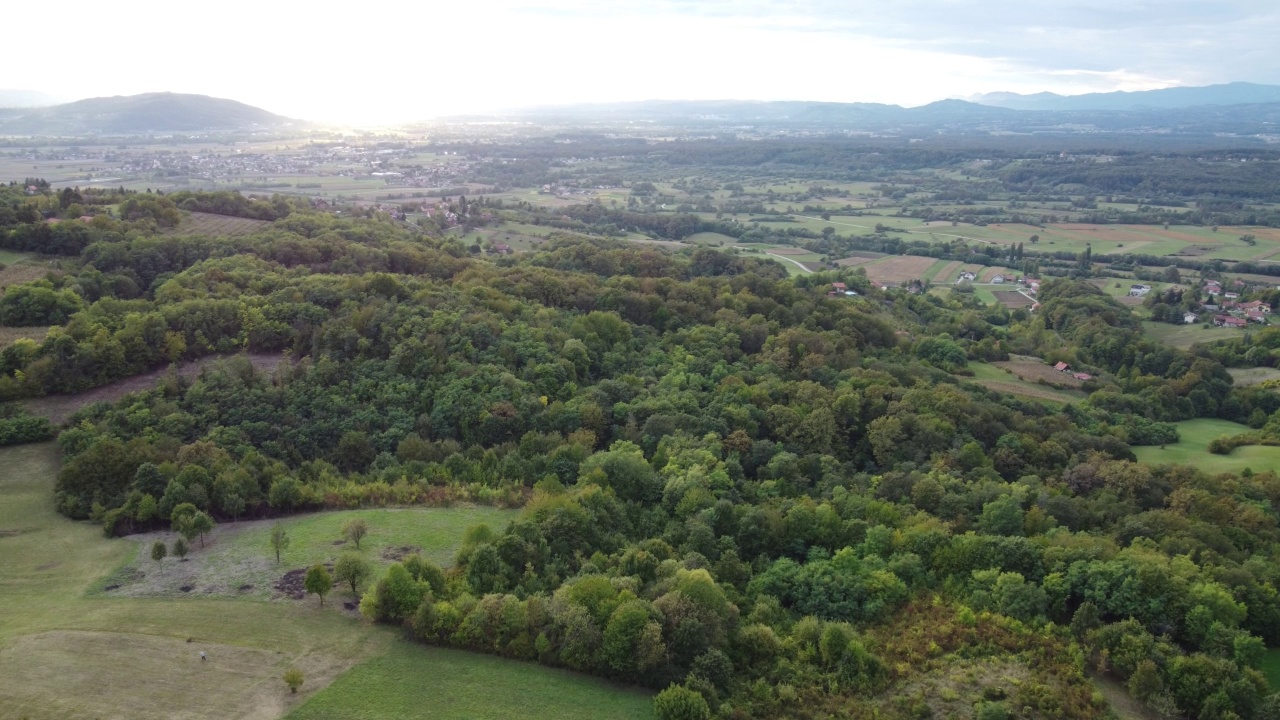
(768, 500)
(139, 114)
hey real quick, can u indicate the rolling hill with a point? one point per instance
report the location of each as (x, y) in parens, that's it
(1236, 93)
(139, 114)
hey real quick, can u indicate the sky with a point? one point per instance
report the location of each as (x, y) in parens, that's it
(391, 61)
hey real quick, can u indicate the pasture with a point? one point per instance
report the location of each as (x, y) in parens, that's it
(236, 559)
(394, 686)
(1248, 377)
(1192, 449)
(67, 651)
(994, 376)
(1184, 336)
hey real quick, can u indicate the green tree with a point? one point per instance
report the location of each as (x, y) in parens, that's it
(180, 548)
(680, 703)
(279, 539)
(352, 569)
(354, 530)
(318, 581)
(200, 523)
(285, 494)
(158, 552)
(293, 678)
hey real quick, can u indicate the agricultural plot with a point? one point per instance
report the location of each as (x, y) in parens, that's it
(1192, 449)
(198, 223)
(1012, 299)
(9, 335)
(899, 268)
(1035, 370)
(859, 258)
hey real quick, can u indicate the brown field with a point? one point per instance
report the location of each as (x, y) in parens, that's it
(948, 272)
(198, 223)
(1033, 369)
(1013, 299)
(1014, 388)
(788, 251)
(60, 407)
(854, 261)
(899, 268)
(10, 334)
(26, 272)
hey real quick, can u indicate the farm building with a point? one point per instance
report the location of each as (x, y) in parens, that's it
(1062, 367)
(1255, 305)
(1190, 318)
(1228, 321)
(966, 276)
(1256, 316)
(998, 279)
(1139, 290)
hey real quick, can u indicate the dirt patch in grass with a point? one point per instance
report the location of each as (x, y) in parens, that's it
(293, 583)
(58, 408)
(396, 554)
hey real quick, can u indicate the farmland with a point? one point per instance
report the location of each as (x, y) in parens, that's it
(198, 223)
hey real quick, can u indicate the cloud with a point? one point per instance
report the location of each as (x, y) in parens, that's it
(402, 59)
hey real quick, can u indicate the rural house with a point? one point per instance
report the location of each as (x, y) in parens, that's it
(1228, 321)
(1257, 305)
(998, 280)
(1190, 318)
(1139, 290)
(1062, 367)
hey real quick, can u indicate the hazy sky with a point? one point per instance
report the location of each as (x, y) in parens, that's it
(392, 61)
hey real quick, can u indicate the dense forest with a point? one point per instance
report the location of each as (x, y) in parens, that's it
(760, 499)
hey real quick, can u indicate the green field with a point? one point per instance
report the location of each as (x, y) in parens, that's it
(711, 238)
(410, 681)
(69, 652)
(236, 560)
(995, 378)
(1184, 336)
(1192, 449)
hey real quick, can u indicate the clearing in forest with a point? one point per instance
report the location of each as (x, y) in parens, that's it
(198, 223)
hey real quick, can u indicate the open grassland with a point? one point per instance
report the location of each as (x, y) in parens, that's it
(198, 223)
(9, 335)
(711, 238)
(236, 560)
(1184, 336)
(69, 653)
(1192, 449)
(1035, 370)
(1248, 377)
(429, 683)
(999, 378)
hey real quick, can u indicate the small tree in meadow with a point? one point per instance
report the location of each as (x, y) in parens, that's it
(199, 524)
(293, 678)
(158, 552)
(353, 570)
(355, 530)
(180, 548)
(318, 581)
(279, 539)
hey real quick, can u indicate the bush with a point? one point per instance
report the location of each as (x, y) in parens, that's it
(24, 429)
(681, 703)
(293, 678)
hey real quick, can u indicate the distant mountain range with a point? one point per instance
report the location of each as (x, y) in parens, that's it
(1237, 93)
(140, 114)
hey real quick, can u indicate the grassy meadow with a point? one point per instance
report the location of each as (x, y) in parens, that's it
(1192, 449)
(69, 650)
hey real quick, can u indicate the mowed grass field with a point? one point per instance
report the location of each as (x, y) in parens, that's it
(67, 652)
(198, 223)
(1192, 449)
(1184, 336)
(1003, 380)
(411, 682)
